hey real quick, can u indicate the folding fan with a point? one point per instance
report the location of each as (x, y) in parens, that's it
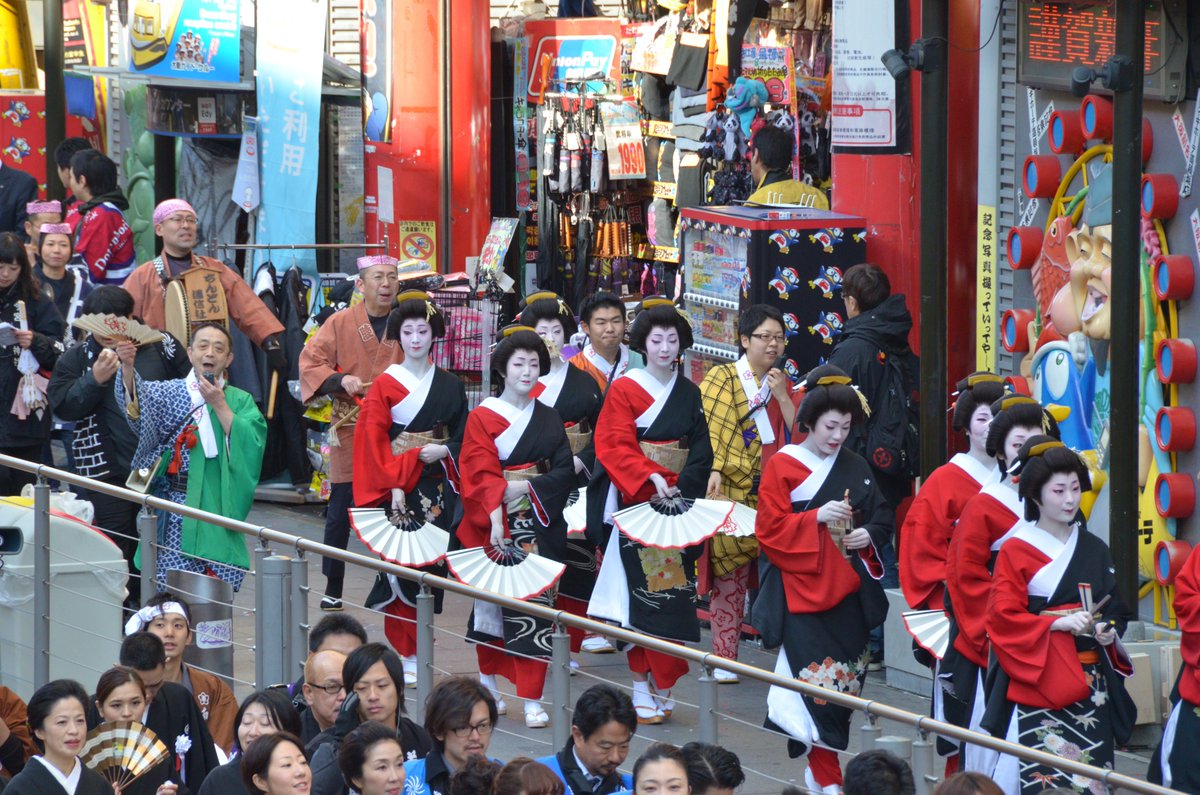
(399, 537)
(117, 326)
(575, 514)
(672, 523)
(930, 629)
(740, 522)
(507, 570)
(123, 751)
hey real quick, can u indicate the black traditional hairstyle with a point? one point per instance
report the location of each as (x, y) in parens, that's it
(827, 388)
(1041, 458)
(712, 767)
(518, 338)
(1016, 411)
(415, 305)
(977, 389)
(656, 311)
(547, 306)
(279, 708)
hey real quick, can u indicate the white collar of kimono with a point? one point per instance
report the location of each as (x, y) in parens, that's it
(1046, 581)
(518, 421)
(418, 390)
(658, 392)
(757, 397)
(818, 468)
(1006, 496)
(552, 384)
(611, 372)
(981, 473)
(203, 417)
(69, 782)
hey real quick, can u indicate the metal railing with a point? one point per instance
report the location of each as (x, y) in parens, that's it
(282, 595)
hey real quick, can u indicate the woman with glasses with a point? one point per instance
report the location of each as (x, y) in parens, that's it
(374, 680)
(460, 716)
(749, 406)
(262, 714)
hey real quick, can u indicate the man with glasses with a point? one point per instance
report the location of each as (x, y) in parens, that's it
(341, 360)
(175, 222)
(460, 716)
(323, 692)
(749, 406)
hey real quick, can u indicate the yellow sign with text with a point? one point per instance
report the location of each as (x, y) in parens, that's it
(985, 290)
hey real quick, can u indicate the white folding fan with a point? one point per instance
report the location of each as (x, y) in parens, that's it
(930, 629)
(507, 570)
(123, 751)
(673, 523)
(399, 538)
(117, 326)
(740, 522)
(575, 514)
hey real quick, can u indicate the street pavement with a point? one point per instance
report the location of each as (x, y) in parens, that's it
(742, 706)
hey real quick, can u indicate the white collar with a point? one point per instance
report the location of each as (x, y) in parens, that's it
(68, 782)
(203, 417)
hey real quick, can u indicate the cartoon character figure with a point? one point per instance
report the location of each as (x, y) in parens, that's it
(827, 238)
(745, 285)
(733, 141)
(17, 112)
(859, 236)
(792, 370)
(828, 327)
(823, 286)
(791, 325)
(833, 274)
(784, 239)
(1059, 380)
(18, 149)
(1052, 270)
(785, 280)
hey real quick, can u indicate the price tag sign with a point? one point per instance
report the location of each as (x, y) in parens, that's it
(623, 137)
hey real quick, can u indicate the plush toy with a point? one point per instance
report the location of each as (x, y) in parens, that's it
(733, 144)
(745, 99)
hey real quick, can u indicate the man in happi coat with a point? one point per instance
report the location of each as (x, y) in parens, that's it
(200, 442)
(348, 352)
(605, 356)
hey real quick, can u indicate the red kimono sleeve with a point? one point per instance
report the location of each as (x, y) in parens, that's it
(1187, 612)
(376, 470)
(926, 532)
(617, 444)
(968, 579)
(1042, 665)
(482, 477)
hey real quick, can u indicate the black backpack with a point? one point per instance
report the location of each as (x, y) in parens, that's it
(892, 439)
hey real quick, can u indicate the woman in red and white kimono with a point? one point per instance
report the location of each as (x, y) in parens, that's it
(649, 589)
(413, 397)
(986, 522)
(930, 521)
(819, 598)
(1176, 763)
(577, 398)
(515, 433)
(1060, 683)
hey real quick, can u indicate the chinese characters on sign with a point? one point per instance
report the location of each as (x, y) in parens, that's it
(864, 94)
(623, 137)
(192, 39)
(985, 291)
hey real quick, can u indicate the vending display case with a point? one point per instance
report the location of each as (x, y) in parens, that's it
(792, 259)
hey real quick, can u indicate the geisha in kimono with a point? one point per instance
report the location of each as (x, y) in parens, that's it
(577, 398)
(1055, 617)
(1176, 763)
(824, 591)
(987, 521)
(649, 589)
(518, 473)
(930, 521)
(407, 436)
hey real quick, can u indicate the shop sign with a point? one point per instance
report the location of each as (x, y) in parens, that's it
(864, 94)
(191, 112)
(245, 183)
(188, 39)
(985, 290)
(772, 66)
(585, 48)
(623, 136)
(418, 240)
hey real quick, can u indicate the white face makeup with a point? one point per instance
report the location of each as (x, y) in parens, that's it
(829, 432)
(977, 429)
(551, 331)
(662, 346)
(1060, 497)
(522, 372)
(416, 338)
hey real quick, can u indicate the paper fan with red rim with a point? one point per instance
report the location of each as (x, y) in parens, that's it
(575, 514)
(930, 629)
(740, 522)
(123, 752)
(399, 537)
(117, 326)
(506, 570)
(674, 522)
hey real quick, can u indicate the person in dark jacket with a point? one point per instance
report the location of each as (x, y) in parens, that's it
(261, 714)
(82, 391)
(877, 328)
(373, 676)
(602, 726)
(460, 715)
(16, 190)
(36, 327)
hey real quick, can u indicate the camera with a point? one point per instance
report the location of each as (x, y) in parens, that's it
(11, 540)
(896, 63)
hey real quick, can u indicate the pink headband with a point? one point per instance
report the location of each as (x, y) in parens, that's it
(55, 229)
(37, 208)
(169, 207)
(376, 259)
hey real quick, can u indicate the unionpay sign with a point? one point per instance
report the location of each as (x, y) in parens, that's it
(579, 48)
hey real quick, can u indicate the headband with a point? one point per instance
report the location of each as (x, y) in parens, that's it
(372, 260)
(1017, 400)
(142, 618)
(55, 229)
(826, 380)
(167, 208)
(1039, 449)
(37, 208)
(419, 295)
(546, 295)
(513, 329)
(984, 378)
(842, 380)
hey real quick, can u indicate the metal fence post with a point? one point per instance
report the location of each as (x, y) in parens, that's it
(41, 582)
(708, 706)
(560, 685)
(424, 648)
(260, 554)
(273, 591)
(870, 732)
(299, 621)
(147, 524)
(924, 774)
(900, 746)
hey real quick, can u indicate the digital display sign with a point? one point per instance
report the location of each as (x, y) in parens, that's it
(1056, 37)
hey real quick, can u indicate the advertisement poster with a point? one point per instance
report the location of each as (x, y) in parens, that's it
(245, 183)
(191, 39)
(864, 94)
(623, 137)
(773, 67)
(377, 70)
(566, 51)
(192, 112)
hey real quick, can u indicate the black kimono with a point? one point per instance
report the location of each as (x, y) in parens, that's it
(36, 779)
(24, 438)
